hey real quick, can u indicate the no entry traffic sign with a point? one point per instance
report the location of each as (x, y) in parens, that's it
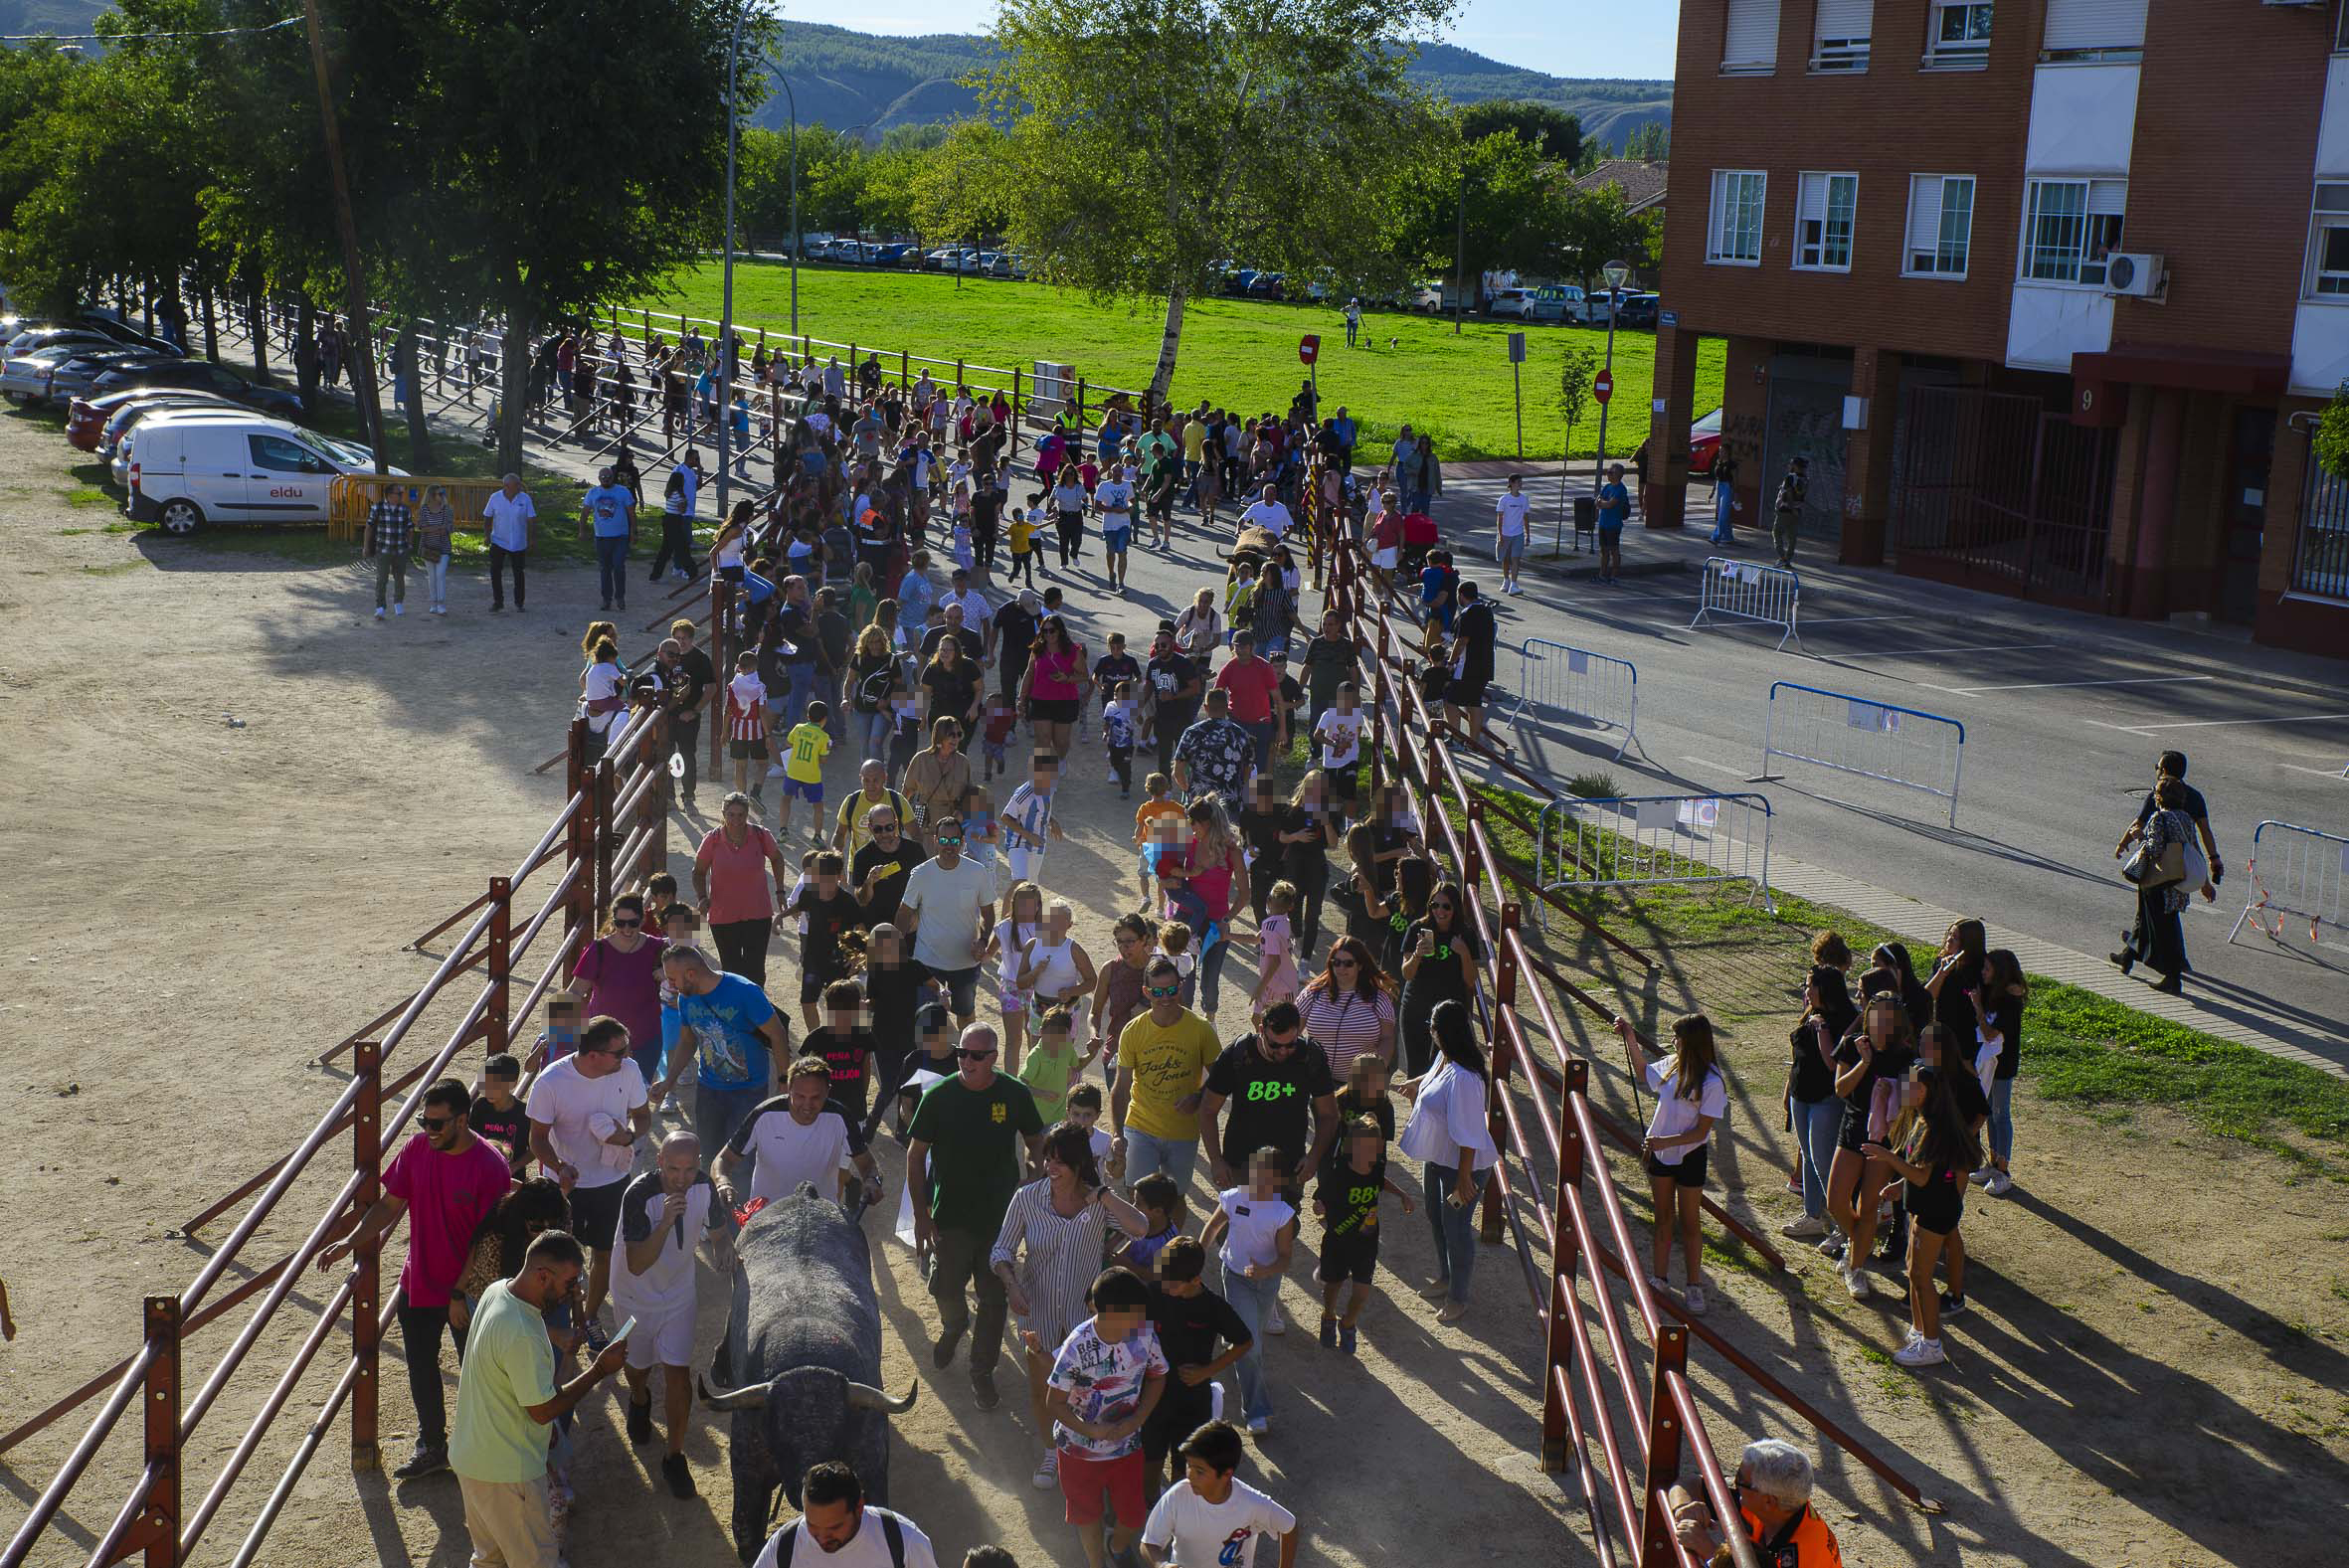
(1308, 348)
(1602, 384)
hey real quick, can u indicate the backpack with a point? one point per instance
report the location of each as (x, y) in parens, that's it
(891, 1532)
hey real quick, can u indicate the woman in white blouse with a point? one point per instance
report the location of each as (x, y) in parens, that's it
(1447, 1132)
(1048, 1254)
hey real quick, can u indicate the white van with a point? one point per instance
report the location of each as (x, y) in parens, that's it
(186, 470)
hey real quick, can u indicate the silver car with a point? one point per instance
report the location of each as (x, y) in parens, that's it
(61, 373)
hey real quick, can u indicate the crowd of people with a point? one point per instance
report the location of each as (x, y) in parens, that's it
(1053, 1103)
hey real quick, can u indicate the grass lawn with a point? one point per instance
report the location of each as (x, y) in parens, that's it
(1240, 353)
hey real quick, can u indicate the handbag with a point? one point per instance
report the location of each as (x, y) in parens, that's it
(2150, 871)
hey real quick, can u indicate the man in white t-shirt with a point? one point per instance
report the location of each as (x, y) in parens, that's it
(949, 909)
(1267, 513)
(799, 1136)
(509, 513)
(1509, 516)
(1212, 1518)
(587, 1113)
(1340, 732)
(663, 1214)
(845, 1530)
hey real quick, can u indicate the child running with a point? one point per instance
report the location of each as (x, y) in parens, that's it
(804, 750)
(1347, 1203)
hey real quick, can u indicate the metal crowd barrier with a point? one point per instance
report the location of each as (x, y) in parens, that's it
(1645, 840)
(2300, 872)
(1749, 591)
(1601, 691)
(1914, 749)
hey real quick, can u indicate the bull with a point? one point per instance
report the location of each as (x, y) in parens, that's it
(804, 1331)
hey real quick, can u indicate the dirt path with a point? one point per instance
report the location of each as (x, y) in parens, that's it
(2152, 1373)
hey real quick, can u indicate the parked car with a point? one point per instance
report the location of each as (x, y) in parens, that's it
(87, 419)
(62, 371)
(34, 340)
(1637, 310)
(890, 254)
(1268, 285)
(1705, 444)
(1518, 302)
(121, 331)
(188, 471)
(1240, 280)
(115, 426)
(203, 376)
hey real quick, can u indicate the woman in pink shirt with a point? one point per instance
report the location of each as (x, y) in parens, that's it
(1214, 868)
(1054, 687)
(733, 888)
(620, 974)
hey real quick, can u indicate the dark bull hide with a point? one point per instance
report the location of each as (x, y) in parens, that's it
(803, 1331)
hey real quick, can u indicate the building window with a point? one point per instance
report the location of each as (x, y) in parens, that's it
(1940, 224)
(1960, 34)
(1750, 45)
(1844, 25)
(2341, 29)
(2072, 229)
(1823, 221)
(2328, 245)
(1737, 217)
(2320, 557)
(2091, 30)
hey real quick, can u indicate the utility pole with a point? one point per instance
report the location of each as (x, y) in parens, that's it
(354, 281)
(726, 306)
(1460, 255)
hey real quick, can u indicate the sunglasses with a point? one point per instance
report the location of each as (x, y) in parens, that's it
(1163, 990)
(1271, 1044)
(884, 827)
(974, 1056)
(1343, 964)
(625, 925)
(434, 1124)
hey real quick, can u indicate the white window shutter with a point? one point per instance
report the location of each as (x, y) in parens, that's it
(1846, 18)
(1924, 214)
(2095, 24)
(2108, 196)
(1752, 35)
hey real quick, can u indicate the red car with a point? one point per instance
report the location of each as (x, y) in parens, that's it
(1705, 444)
(87, 419)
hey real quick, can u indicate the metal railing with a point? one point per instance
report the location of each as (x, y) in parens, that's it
(2300, 872)
(1649, 840)
(1749, 591)
(1603, 692)
(1835, 730)
(611, 826)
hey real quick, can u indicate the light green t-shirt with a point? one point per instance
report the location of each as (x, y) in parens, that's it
(509, 1364)
(1046, 1075)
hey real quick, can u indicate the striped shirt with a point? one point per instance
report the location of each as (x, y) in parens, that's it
(1063, 1257)
(1344, 1023)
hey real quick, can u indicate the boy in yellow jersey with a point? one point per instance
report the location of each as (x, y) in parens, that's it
(803, 751)
(1024, 549)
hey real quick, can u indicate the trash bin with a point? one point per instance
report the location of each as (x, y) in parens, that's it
(1585, 519)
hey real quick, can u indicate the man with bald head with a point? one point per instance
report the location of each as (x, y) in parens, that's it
(851, 828)
(663, 1214)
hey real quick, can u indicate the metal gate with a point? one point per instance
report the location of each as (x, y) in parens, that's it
(1995, 491)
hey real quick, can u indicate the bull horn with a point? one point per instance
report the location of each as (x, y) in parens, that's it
(864, 1396)
(752, 1398)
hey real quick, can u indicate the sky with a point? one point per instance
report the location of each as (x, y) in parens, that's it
(1567, 38)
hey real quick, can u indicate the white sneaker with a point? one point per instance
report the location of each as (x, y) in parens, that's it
(1696, 1300)
(379, 612)
(1981, 1178)
(1259, 1425)
(1273, 1322)
(1920, 1351)
(1858, 1283)
(1806, 1228)
(1999, 1184)
(1048, 1473)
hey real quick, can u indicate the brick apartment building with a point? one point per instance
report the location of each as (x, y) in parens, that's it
(2048, 291)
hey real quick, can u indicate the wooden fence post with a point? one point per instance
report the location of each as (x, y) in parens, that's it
(1497, 1084)
(601, 818)
(500, 962)
(367, 1280)
(718, 662)
(159, 1520)
(1657, 1547)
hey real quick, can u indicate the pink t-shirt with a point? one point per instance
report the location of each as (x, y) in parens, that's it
(1059, 675)
(625, 984)
(447, 1195)
(739, 885)
(1251, 683)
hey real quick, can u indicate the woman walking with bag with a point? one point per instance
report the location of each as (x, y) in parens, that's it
(2161, 868)
(436, 528)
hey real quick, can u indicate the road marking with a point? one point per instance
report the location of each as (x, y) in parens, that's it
(2321, 773)
(1719, 768)
(1821, 621)
(2206, 724)
(2125, 729)
(1982, 647)
(2044, 685)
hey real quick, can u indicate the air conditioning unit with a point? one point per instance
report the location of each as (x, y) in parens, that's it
(2136, 275)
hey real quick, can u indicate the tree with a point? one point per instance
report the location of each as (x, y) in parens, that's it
(1552, 132)
(1593, 228)
(1495, 207)
(958, 192)
(1576, 368)
(1152, 140)
(1650, 143)
(2331, 440)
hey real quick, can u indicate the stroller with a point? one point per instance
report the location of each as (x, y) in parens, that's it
(1419, 537)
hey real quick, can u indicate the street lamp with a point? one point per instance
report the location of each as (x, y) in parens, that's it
(783, 82)
(726, 305)
(1616, 272)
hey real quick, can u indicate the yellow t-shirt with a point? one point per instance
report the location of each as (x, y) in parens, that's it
(807, 746)
(1168, 1064)
(1195, 439)
(1020, 535)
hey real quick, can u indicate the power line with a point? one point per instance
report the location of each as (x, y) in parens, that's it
(114, 38)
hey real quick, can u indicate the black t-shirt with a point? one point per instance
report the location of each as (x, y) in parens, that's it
(1306, 862)
(1350, 1106)
(1972, 1104)
(799, 629)
(966, 638)
(886, 871)
(1350, 1197)
(850, 1058)
(1437, 979)
(1015, 635)
(1813, 1080)
(1188, 1327)
(986, 502)
(1262, 832)
(509, 1130)
(833, 627)
(2006, 1013)
(1269, 1104)
(1111, 668)
(694, 675)
(1890, 1062)
(2196, 808)
(1169, 675)
(952, 690)
(820, 953)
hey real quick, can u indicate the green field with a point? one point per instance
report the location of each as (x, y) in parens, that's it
(1239, 353)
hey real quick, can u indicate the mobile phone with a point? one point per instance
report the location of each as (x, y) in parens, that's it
(626, 1329)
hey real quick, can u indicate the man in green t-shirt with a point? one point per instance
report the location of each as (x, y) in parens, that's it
(962, 1165)
(1162, 1060)
(507, 1403)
